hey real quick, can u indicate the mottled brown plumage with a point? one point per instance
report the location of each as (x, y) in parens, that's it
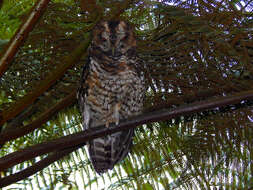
(112, 88)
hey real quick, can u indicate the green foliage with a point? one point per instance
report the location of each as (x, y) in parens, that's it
(191, 50)
(11, 15)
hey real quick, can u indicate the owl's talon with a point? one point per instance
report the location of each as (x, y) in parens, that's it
(116, 113)
(107, 124)
(113, 116)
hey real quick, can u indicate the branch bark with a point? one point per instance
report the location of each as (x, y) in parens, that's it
(36, 167)
(21, 131)
(21, 34)
(30, 97)
(84, 136)
(122, 6)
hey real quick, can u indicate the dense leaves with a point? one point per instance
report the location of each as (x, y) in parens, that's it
(190, 51)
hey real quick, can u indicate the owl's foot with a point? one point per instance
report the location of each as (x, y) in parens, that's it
(113, 116)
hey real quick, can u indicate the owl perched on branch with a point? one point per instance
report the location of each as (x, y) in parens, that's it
(111, 89)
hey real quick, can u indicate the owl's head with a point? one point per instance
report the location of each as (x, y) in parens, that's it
(114, 38)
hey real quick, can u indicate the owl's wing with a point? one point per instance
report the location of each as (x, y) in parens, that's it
(82, 92)
(124, 145)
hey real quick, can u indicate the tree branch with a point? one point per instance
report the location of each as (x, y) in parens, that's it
(84, 136)
(121, 7)
(21, 34)
(21, 131)
(36, 167)
(30, 97)
(13, 133)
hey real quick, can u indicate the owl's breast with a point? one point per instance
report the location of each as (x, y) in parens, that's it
(105, 89)
(109, 74)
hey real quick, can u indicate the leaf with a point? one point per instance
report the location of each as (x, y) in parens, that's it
(147, 186)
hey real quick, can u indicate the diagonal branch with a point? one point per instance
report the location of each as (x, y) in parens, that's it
(18, 131)
(30, 97)
(21, 34)
(36, 167)
(21, 131)
(84, 136)
(122, 6)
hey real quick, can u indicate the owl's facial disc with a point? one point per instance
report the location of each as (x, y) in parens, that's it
(105, 44)
(114, 38)
(121, 44)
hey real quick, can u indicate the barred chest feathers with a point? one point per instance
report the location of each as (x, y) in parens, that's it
(106, 88)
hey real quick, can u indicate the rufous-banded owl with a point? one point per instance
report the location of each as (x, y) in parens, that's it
(111, 89)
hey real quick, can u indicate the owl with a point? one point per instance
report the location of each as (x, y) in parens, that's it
(111, 89)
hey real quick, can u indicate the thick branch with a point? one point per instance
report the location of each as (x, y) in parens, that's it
(81, 137)
(20, 118)
(122, 6)
(36, 167)
(21, 34)
(30, 97)
(70, 99)
(19, 132)
(91, 7)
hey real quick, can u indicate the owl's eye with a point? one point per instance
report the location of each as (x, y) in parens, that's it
(125, 38)
(102, 38)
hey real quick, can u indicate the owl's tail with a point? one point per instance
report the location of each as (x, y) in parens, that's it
(107, 151)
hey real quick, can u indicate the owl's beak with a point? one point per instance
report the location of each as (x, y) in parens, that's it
(113, 51)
